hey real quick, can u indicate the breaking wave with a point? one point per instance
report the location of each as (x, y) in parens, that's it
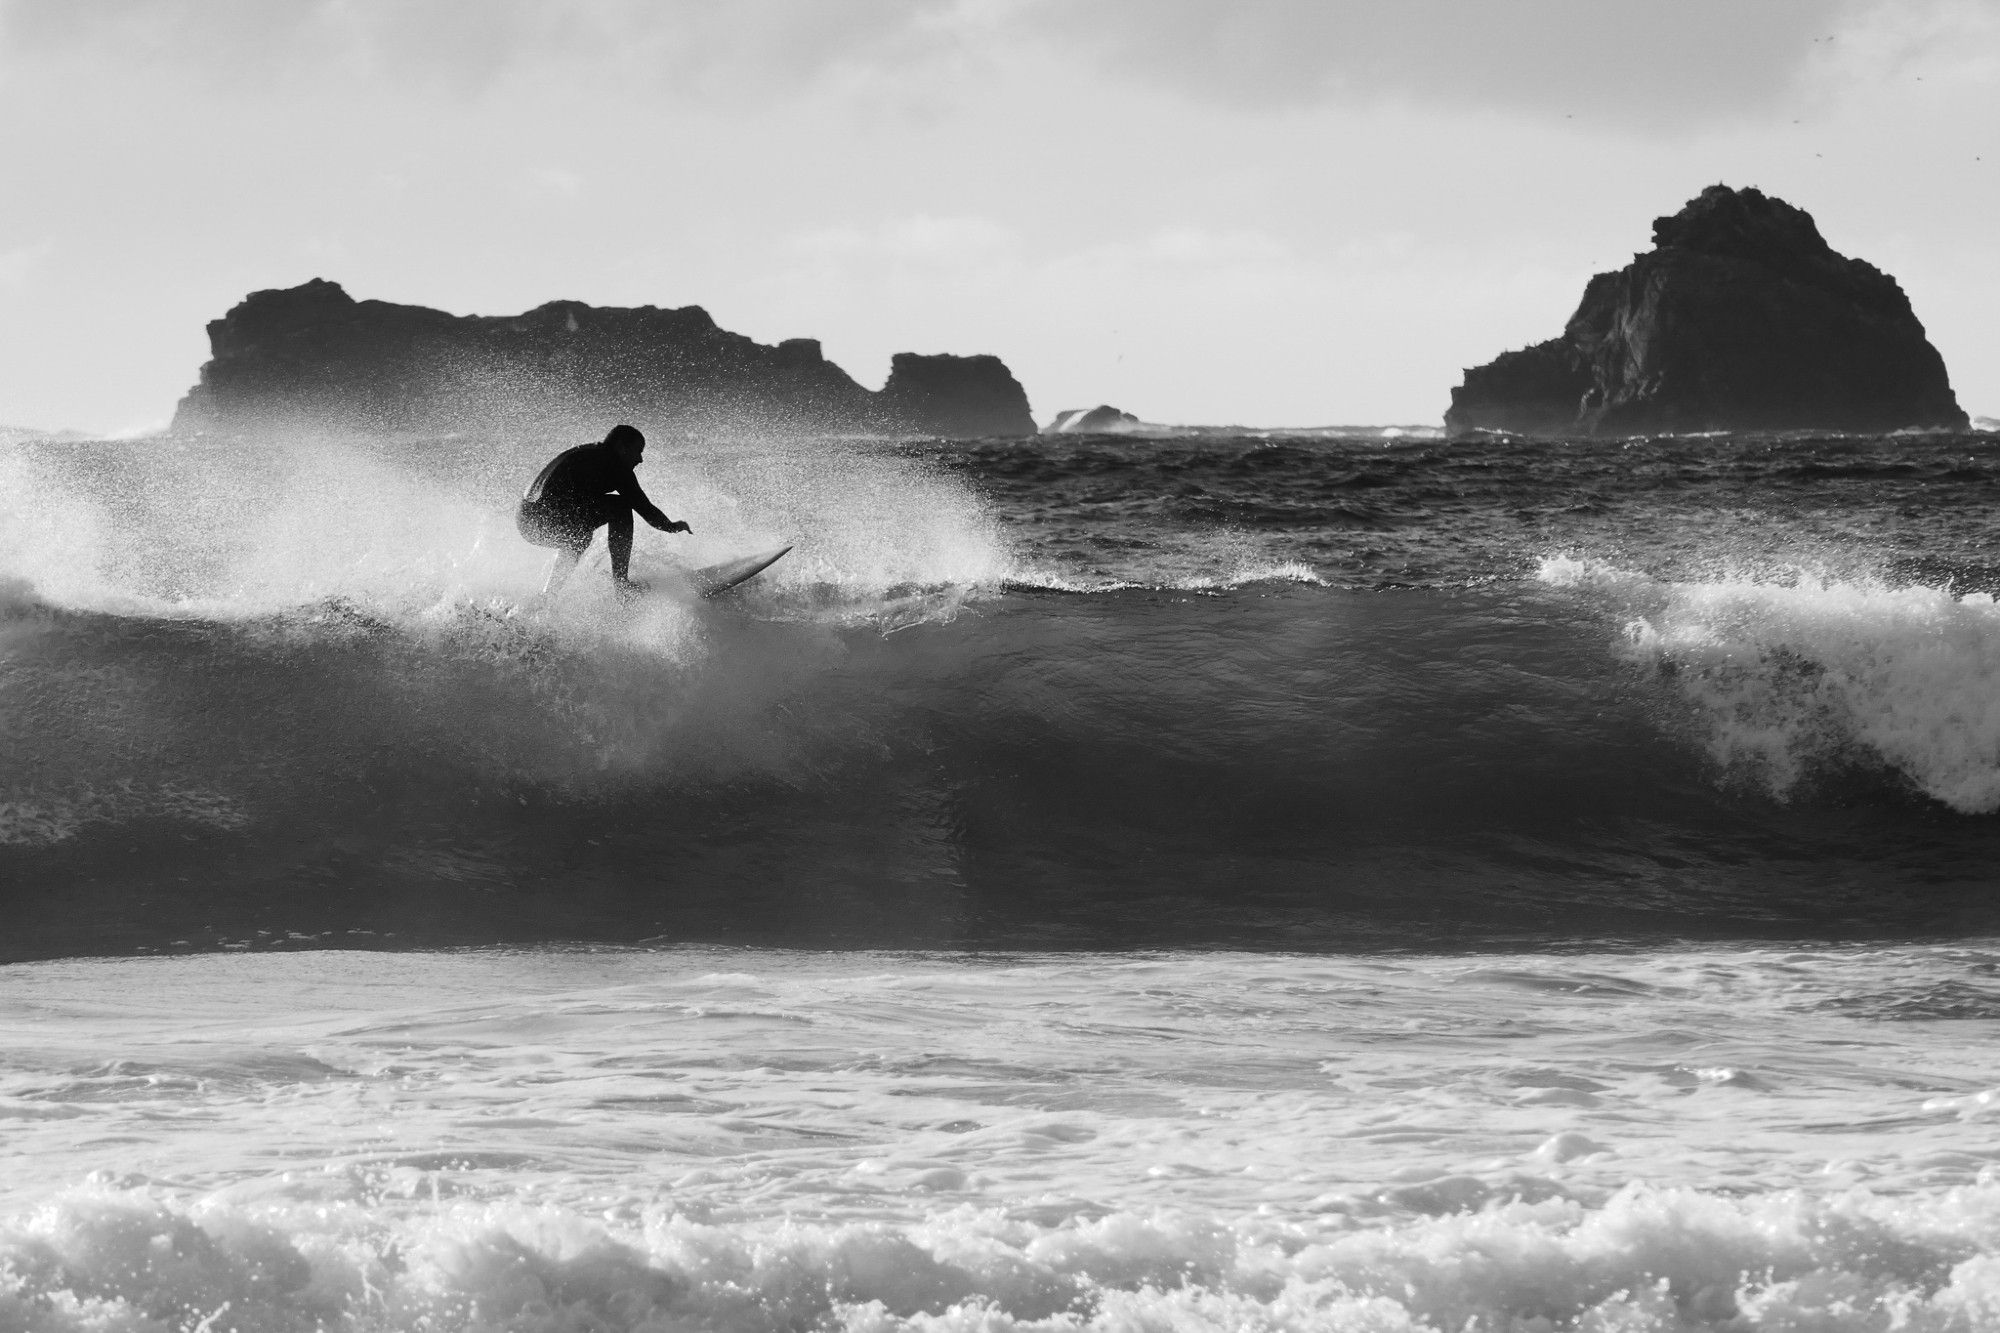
(326, 665)
(1796, 674)
(1643, 1258)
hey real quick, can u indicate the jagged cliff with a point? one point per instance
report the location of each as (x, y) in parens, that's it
(313, 357)
(1740, 318)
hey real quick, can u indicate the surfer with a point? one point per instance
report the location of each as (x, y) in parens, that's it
(586, 488)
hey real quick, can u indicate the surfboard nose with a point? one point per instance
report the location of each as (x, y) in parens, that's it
(713, 579)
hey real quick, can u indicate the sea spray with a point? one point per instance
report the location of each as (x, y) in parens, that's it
(252, 527)
(1799, 673)
(52, 541)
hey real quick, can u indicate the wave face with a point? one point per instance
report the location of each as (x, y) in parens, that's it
(1319, 692)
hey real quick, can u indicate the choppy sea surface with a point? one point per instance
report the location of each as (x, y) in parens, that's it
(1344, 879)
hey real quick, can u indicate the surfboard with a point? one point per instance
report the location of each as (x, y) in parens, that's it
(715, 579)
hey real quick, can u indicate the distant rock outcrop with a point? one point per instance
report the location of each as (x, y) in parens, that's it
(313, 357)
(967, 397)
(1080, 420)
(1740, 318)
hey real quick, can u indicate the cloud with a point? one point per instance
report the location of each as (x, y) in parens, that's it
(1197, 246)
(921, 240)
(1654, 65)
(17, 265)
(553, 183)
(1649, 63)
(1951, 41)
(1178, 322)
(466, 45)
(979, 252)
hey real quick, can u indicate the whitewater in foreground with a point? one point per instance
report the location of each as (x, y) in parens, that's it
(1349, 881)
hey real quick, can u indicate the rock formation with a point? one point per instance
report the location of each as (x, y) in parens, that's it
(960, 396)
(312, 357)
(1740, 318)
(1081, 421)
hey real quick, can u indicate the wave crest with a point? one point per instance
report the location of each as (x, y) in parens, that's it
(1795, 672)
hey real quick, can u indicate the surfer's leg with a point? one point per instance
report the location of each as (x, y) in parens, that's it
(560, 568)
(572, 539)
(568, 532)
(618, 536)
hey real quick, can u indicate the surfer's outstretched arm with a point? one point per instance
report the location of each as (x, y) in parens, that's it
(646, 509)
(657, 517)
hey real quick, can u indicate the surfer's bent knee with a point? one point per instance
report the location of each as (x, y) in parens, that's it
(561, 529)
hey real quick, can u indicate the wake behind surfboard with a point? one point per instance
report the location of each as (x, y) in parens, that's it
(713, 579)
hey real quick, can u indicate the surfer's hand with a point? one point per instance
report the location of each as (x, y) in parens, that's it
(679, 527)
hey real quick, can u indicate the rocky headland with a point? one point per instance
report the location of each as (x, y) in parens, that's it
(313, 358)
(1740, 318)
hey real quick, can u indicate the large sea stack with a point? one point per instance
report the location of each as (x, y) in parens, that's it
(312, 357)
(962, 396)
(1740, 318)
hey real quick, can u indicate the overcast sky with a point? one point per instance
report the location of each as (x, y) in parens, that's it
(1272, 212)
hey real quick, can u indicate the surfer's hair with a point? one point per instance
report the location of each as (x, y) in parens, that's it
(622, 434)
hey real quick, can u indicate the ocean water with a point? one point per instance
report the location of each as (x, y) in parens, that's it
(1342, 879)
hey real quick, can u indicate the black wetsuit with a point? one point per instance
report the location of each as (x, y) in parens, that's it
(580, 491)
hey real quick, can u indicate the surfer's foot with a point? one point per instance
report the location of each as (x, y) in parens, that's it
(627, 589)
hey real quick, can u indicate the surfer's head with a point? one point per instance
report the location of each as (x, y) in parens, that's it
(628, 443)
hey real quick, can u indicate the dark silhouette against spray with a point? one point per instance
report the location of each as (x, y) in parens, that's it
(586, 488)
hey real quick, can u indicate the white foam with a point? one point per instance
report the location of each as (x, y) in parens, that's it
(1222, 563)
(1566, 570)
(110, 1258)
(1796, 671)
(762, 1140)
(1279, 571)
